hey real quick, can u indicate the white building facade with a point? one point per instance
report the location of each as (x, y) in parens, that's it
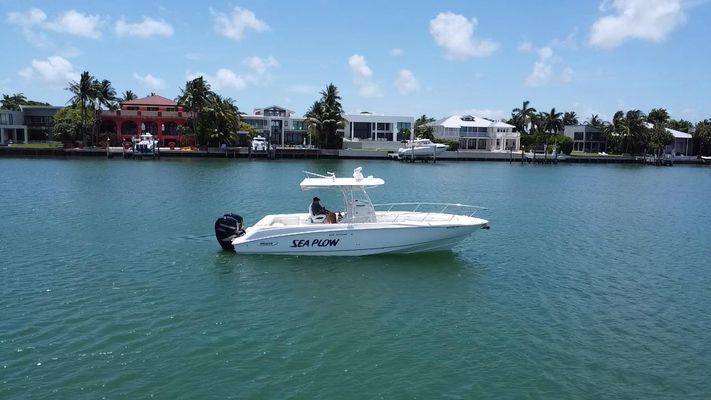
(376, 131)
(477, 133)
(12, 127)
(278, 125)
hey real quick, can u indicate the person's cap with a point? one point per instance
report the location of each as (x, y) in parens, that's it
(317, 199)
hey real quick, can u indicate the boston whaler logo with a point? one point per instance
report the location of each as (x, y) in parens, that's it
(315, 243)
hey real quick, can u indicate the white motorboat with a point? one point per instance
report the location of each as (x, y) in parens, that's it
(360, 230)
(145, 144)
(422, 148)
(259, 143)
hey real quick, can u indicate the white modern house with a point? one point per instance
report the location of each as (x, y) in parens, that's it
(278, 125)
(12, 127)
(477, 133)
(374, 131)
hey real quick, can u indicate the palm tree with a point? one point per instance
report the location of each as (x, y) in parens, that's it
(658, 116)
(595, 121)
(570, 118)
(84, 93)
(194, 97)
(13, 102)
(552, 121)
(105, 95)
(221, 119)
(523, 116)
(314, 121)
(332, 117)
(128, 96)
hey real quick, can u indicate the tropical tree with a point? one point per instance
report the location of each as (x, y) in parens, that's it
(105, 95)
(632, 130)
(195, 97)
(702, 136)
(658, 116)
(658, 138)
(570, 118)
(13, 102)
(325, 118)
(219, 120)
(423, 129)
(552, 121)
(128, 96)
(83, 94)
(595, 121)
(681, 125)
(69, 122)
(314, 122)
(521, 117)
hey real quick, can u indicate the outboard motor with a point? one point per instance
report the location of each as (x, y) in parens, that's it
(227, 228)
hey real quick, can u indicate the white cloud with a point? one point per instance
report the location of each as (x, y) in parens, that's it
(525, 46)
(75, 23)
(70, 22)
(239, 20)
(481, 112)
(260, 65)
(146, 28)
(567, 75)
(363, 77)
(396, 52)
(650, 20)
(149, 81)
(223, 79)
(406, 82)
(542, 68)
(455, 34)
(54, 69)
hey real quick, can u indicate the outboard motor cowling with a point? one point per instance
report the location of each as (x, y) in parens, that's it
(227, 228)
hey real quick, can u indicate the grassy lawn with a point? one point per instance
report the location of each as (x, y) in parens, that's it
(37, 146)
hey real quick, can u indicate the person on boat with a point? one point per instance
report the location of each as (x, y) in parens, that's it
(318, 209)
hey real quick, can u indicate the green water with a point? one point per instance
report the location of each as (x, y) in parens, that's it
(594, 282)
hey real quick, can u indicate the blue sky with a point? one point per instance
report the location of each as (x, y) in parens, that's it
(396, 57)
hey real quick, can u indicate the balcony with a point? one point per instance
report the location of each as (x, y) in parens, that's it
(144, 114)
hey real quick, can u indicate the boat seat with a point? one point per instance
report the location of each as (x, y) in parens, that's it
(316, 219)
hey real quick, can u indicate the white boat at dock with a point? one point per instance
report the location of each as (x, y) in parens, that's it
(360, 229)
(421, 148)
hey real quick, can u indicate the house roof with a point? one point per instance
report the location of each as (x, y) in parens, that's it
(675, 133)
(151, 101)
(458, 121)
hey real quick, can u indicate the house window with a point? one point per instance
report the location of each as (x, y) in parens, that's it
(152, 108)
(132, 108)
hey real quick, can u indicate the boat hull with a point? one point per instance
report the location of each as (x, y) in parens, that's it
(422, 151)
(354, 239)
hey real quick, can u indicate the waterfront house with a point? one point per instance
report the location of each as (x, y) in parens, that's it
(477, 133)
(12, 127)
(376, 131)
(278, 125)
(31, 123)
(156, 115)
(683, 144)
(586, 138)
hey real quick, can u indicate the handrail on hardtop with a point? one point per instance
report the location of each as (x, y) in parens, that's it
(444, 206)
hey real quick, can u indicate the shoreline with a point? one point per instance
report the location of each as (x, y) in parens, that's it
(296, 153)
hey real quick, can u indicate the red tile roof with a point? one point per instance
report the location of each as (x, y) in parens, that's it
(151, 101)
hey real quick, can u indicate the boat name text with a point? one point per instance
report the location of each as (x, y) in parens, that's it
(315, 243)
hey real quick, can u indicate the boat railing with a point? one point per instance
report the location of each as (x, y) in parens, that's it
(426, 210)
